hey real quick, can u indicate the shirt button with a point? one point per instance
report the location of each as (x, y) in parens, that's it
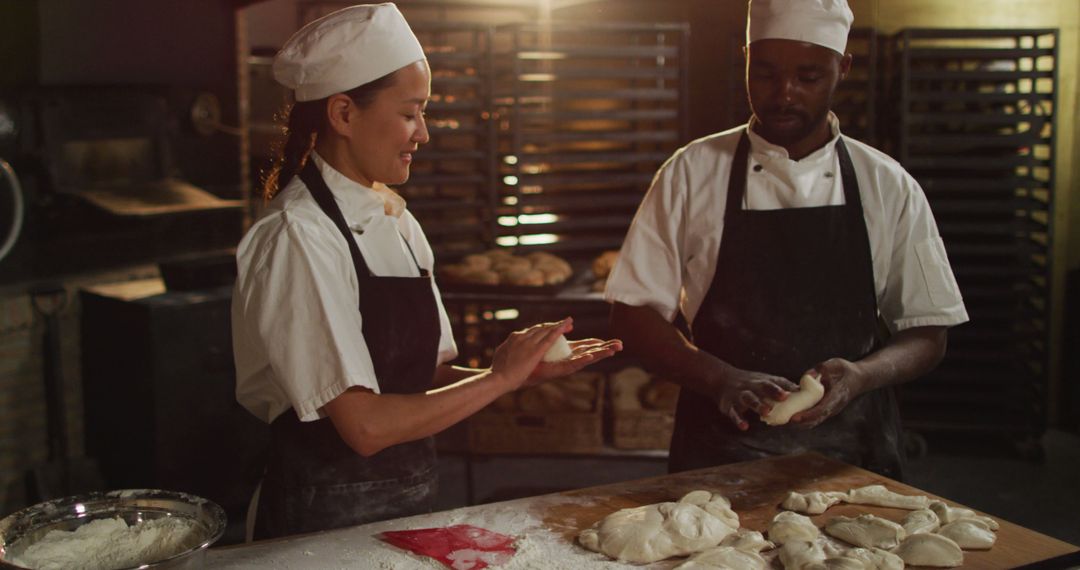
(757, 168)
(828, 175)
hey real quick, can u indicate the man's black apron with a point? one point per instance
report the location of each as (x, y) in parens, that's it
(792, 288)
(314, 481)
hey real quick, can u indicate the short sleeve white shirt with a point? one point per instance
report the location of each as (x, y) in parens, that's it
(297, 331)
(669, 257)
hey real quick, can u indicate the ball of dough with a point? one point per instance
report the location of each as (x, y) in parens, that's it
(559, 351)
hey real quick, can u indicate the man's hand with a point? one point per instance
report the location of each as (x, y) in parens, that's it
(843, 381)
(742, 390)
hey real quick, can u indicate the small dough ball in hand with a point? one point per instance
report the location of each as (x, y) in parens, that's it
(559, 351)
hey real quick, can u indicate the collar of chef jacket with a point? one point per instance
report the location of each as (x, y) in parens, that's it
(359, 204)
(800, 177)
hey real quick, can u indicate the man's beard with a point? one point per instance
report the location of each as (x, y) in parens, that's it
(788, 126)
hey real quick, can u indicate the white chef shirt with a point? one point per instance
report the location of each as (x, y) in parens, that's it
(669, 257)
(297, 336)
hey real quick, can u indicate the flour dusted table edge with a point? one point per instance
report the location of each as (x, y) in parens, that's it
(755, 489)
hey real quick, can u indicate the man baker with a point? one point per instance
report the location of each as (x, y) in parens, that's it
(784, 243)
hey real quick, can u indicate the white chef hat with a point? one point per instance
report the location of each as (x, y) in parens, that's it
(346, 49)
(822, 22)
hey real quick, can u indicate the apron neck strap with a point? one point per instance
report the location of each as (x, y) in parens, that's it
(325, 199)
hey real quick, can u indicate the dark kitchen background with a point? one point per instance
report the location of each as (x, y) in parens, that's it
(133, 135)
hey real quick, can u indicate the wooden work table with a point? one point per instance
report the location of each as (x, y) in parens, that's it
(547, 525)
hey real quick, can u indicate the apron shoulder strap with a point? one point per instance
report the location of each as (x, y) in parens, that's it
(325, 199)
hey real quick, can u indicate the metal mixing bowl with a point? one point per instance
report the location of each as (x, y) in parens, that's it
(20, 530)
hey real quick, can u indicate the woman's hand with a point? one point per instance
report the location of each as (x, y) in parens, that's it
(518, 356)
(583, 353)
(743, 390)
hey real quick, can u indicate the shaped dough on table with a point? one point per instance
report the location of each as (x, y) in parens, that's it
(839, 563)
(788, 526)
(559, 351)
(928, 549)
(724, 557)
(747, 540)
(715, 504)
(878, 495)
(809, 393)
(812, 502)
(876, 558)
(801, 555)
(654, 532)
(867, 531)
(949, 514)
(922, 520)
(969, 534)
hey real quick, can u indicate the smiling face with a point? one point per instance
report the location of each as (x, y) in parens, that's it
(790, 85)
(383, 135)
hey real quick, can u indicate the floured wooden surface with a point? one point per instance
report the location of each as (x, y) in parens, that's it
(548, 525)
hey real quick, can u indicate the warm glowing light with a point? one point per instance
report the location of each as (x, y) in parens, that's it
(508, 221)
(538, 239)
(546, 55)
(537, 77)
(506, 314)
(506, 241)
(510, 200)
(510, 159)
(538, 218)
(510, 180)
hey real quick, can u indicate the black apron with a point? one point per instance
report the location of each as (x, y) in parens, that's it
(314, 481)
(793, 287)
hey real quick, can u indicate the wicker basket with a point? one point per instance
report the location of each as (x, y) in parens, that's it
(642, 429)
(492, 431)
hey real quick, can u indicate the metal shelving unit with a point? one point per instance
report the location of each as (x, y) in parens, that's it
(586, 112)
(974, 125)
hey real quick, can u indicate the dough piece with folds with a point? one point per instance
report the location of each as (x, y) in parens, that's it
(747, 540)
(839, 563)
(812, 502)
(626, 386)
(788, 526)
(649, 533)
(876, 558)
(867, 531)
(947, 514)
(878, 495)
(801, 555)
(715, 504)
(724, 558)
(969, 534)
(922, 520)
(809, 393)
(928, 549)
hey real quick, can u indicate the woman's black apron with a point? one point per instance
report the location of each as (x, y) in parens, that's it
(792, 288)
(314, 481)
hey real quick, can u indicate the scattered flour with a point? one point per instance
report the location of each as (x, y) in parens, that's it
(108, 544)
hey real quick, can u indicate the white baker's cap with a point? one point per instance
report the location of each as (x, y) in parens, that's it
(346, 49)
(822, 22)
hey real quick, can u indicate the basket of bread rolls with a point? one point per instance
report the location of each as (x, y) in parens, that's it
(500, 270)
(564, 415)
(642, 409)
